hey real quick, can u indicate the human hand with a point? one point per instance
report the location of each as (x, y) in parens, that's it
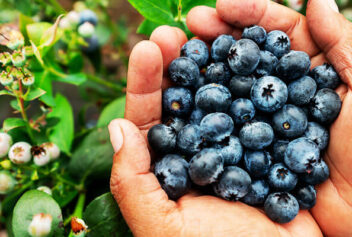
(143, 203)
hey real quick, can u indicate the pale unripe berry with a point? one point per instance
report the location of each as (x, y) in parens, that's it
(5, 144)
(20, 153)
(73, 18)
(86, 30)
(40, 225)
(7, 182)
(40, 156)
(52, 149)
(64, 23)
(45, 189)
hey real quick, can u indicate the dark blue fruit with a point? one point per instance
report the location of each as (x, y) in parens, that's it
(213, 98)
(279, 149)
(318, 134)
(267, 64)
(218, 73)
(206, 166)
(281, 207)
(231, 150)
(88, 16)
(255, 33)
(196, 116)
(172, 173)
(302, 90)
(278, 43)
(240, 86)
(318, 175)
(290, 121)
(326, 76)
(244, 57)
(257, 163)
(256, 135)
(293, 65)
(325, 106)
(269, 94)
(174, 122)
(215, 127)
(189, 140)
(221, 46)
(242, 111)
(233, 184)
(162, 139)
(196, 50)
(258, 191)
(184, 71)
(280, 178)
(200, 82)
(301, 155)
(306, 197)
(93, 44)
(178, 101)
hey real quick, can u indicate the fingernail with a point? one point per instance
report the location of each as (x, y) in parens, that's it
(332, 4)
(116, 136)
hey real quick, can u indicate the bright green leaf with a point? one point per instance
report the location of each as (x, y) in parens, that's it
(23, 22)
(62, 134)
(34, 94)
(187, 5)
(11, 123)
(147, 27)
(75, 79)
(116, 109)
(5, 92)
(36, 31)
(51, 35)
(43, 81)
(104, 33)
(37, 54)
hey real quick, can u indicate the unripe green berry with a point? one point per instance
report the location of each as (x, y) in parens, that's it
(5, 144)
(45, 189)
(27, 51)
(20, 153)
(40, 156)
(15, 43)
(7, 182)
(6, 79)
(18, 59)
(86, 30)
(28, 79)
(5, 58)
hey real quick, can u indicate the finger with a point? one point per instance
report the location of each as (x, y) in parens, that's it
(204, 22)
(270, 15)
(332, 32)
(143, 98)
(318, 60)
(136, 190)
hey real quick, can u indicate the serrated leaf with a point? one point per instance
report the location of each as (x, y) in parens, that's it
(116, 109)
(154, 10)
(36, 31)
(11, 123)
(34, 94)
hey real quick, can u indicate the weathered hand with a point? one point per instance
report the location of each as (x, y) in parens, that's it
(325, 34)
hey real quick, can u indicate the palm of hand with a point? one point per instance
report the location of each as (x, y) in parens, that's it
(195, 215)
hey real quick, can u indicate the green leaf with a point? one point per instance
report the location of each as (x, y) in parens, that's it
(154, 10)
(75, 79)
(11, 123)
(31, 203)
(104, 33)
(187, 5)
(116, 109)
(104, 218)
(23, 22)
(51, 35)
(43, 81)
(36, 31)
(147, 27)
(5, 92)
(37, 54)
(94, 155)
(62, 134)
(34, 94)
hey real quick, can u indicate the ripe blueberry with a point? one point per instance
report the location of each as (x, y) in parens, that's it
(221, 46)
(281, 178)
(318, 175)
(279, 149)
(255, 33)
(162, 138)
(318, 134)
(257, 163)
(326, 76)
(278, 43)
(306, 196)
(196, 50)
(213, 98)
(293, 65)
(189, 139)
(184, 71)
(256, 135)
(302, 90)
(215, 127)
(240, 86)
(242, 111)
(231, 150)
(218, 73)
(258, 191)
(267, 64)
(281, 207)
(196, 116)
(177, 101)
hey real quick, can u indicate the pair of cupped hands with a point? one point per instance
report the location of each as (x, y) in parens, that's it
(324, 34)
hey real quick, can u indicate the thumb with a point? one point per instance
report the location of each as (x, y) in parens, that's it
(332, 32)
(136, 189)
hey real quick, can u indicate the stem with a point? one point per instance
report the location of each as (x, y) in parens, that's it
(179, 9)
(78, 209)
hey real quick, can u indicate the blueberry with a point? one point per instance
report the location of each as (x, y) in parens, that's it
(263, 117)
(326, 76)
(196, 50)
(269, 94)
(293, 65)
(213, 98)
(267, 64)
(318, 175)
(93, 44)
(231, 150)
(278, 43)
(172, 173)
(215, 127)
(325, 106)
(255, 33)
(257, 163)
(189, 139)
(196, 116)
(281, 207)
(200, 82)
(206, 166)
(184, 71)
(306, 197)
(162, 138)
(221, 46)
(233, 184)
(318, 134)
(240, 86)
(258, 191)
(279, 149)
(301, 91)
(244, 57)
(242, 111)
(174, 122)
(290, 121)
(88, 16)
(280, 178)
(256, 135)
(178, 101)
(301, 155)
(218, 73)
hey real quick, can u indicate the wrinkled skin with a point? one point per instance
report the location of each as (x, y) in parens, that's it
(324, 35)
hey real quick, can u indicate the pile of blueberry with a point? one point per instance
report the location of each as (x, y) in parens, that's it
(248, 123)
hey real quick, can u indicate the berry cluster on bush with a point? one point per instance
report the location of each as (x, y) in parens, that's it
(248, 121)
